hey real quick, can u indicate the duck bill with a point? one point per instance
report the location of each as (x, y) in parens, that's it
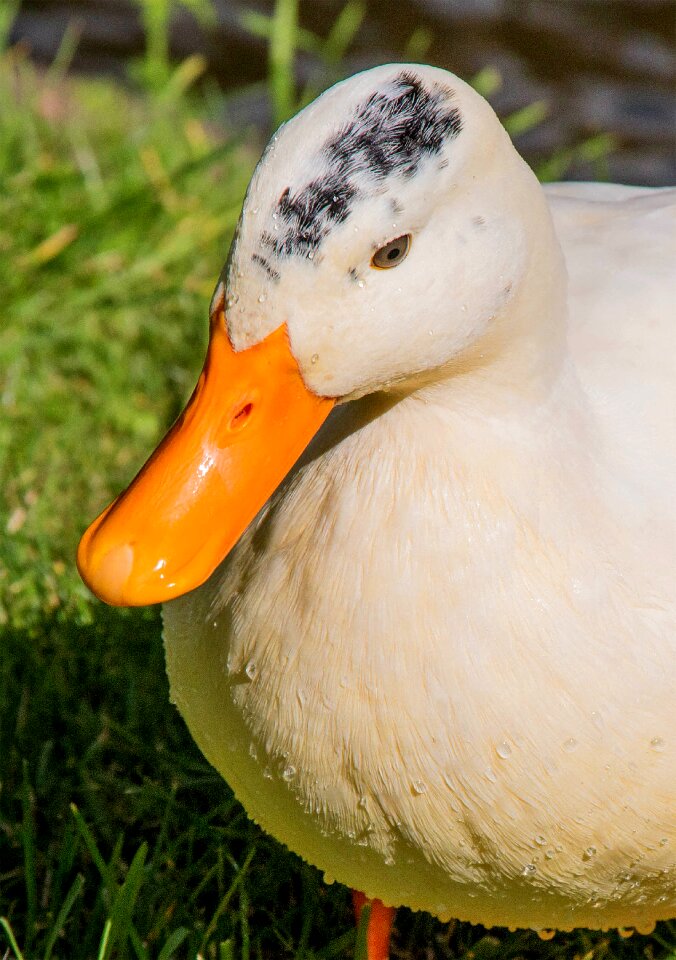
(249, 419)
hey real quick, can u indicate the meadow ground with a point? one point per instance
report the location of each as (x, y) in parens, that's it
(116, 837)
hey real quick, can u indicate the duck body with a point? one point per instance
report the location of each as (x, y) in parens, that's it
(439, 666)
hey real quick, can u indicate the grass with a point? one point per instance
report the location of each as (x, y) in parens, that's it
(117, 840)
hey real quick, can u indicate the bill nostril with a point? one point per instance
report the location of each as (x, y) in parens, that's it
(241, 417)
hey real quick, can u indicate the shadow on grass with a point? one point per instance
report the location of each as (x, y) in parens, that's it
(157, 856)
(85, 719)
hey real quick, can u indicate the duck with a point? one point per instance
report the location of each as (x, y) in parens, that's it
(414, 532)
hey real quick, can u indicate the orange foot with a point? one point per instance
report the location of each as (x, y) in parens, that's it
(380, 925)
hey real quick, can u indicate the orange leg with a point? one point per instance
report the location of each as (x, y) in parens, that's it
(380, 925)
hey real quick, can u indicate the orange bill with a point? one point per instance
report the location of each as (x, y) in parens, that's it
(247, 422)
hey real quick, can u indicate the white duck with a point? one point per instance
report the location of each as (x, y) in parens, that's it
(439, 665)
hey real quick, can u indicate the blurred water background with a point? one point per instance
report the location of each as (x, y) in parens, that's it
(599, 65)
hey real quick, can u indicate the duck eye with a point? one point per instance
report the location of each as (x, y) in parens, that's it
(392, 253)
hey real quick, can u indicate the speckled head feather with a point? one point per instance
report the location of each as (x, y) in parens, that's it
(390, 134)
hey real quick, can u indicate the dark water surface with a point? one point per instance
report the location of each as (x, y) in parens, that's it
(601, 65)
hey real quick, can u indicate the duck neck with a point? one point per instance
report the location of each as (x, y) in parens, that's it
(523, 353)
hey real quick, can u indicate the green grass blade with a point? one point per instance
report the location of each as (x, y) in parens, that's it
(123, 897)
(261, 25)
(360, 947)
(62, 915)
(155, 18)
(29, 853)
(245, 953)
(670, 926)
(225, 900)
(343, 31)
(68, 847)
(204, 882)
(137, 944)
(226, 950)
(172, 944)
(94, 852)
(105, 937)
(418, 44)
(202, 10)
(487, 81)
(339, 946)
(66, 51)
(9, 933)
(161, 837)
(123, 906)
(281, 54)
(526, 118)
(309, 906)
(184, 77)
(595, 151)
(8, 12)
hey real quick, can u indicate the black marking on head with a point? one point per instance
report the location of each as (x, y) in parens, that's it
(478, 221)
(271, 272)
(308, 215)
(353, 274)
(396, 207)
(391, 133)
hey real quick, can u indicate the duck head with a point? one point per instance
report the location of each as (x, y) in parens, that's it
(380, 238)
(384, 226)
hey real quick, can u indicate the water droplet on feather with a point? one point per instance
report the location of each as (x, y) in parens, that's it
(251, 670)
